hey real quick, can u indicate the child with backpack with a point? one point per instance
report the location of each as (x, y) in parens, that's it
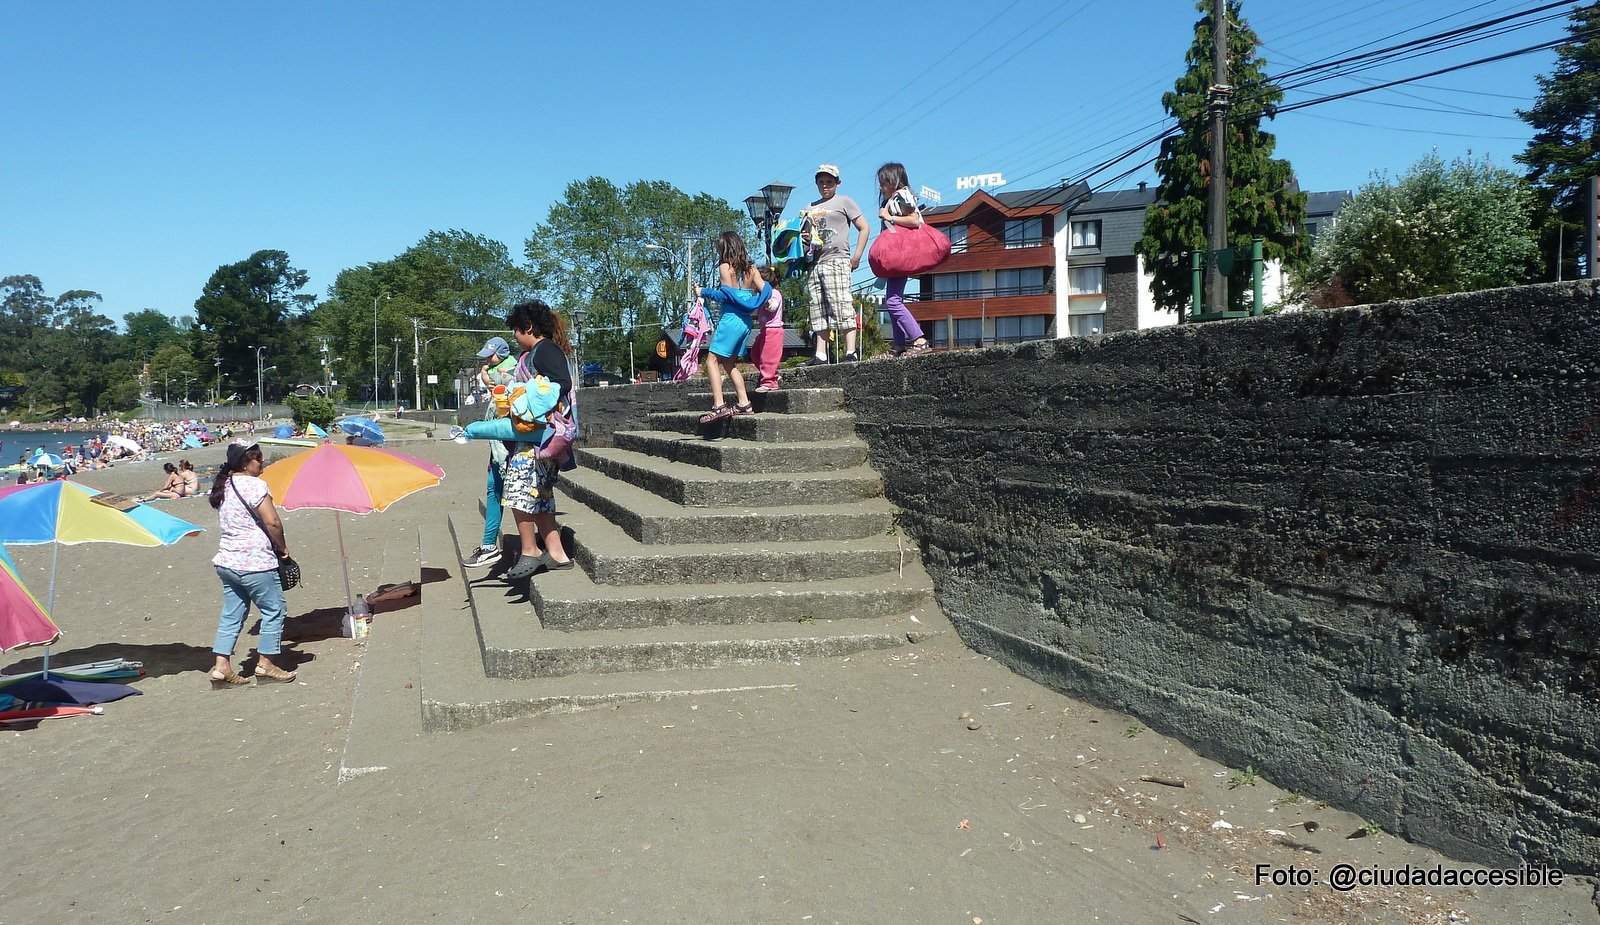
(898, 206)
(768, 349)
(739, 293)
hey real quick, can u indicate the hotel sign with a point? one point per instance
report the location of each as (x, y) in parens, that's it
(981, 181)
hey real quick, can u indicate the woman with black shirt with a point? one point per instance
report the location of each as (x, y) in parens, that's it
(529, 489)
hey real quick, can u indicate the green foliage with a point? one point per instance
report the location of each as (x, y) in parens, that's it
(1440, 228)
(590, 253)
(148, 332)
(255, 303)
(61, 347)
(449, 279)
(1565, 149)
(310, 409)
(1263, 200)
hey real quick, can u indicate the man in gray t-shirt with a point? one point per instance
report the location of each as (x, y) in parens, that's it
(830, 217)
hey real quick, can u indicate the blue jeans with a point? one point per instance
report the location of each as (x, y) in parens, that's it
(492, 509)
(239, 589)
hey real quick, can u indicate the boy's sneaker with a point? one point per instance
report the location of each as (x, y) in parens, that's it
(458, 434)
(852, 357)
(482, 556)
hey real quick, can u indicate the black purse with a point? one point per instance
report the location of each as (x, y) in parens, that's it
(288, 569)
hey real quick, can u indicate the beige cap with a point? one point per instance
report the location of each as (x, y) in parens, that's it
(831, 170)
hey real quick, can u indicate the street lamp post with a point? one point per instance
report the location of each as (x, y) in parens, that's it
(164, 386)
(217, 362)
(765, 208)
(579, 316)
(260, 408)
(186, 380)
(375, 346)
(394, 381)
(422, 351)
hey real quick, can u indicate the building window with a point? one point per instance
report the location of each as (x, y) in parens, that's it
(1085, 325)
(1311, 229)
(1025, 232)
(957, 285)
(1029, 281)
(938, 332)
(1086, 280)
(1086, 234)
(969, 332)
(958, 238)
(1020, 328)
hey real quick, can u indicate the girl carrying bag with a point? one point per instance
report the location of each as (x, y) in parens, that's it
(898, 252)
(288, 569)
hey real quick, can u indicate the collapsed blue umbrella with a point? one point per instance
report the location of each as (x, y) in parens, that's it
(192, 442)
(364, 428)
(48, 460)
(283, 430)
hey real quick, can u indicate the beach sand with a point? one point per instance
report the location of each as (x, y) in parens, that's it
(863, 795)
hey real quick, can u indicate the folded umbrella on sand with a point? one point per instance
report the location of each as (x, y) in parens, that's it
(111, 669)
(356, 479)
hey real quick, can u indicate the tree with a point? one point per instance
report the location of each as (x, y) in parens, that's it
(149, 331)
(1565, 149)
(590, 253)
(1441, 228)
(255, 302)
(1263, 200)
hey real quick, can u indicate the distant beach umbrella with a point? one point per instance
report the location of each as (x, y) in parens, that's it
(47, 460)
(365, 428)
(125, 443)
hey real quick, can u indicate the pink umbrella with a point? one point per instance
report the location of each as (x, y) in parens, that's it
(343, 477)
(23, 621)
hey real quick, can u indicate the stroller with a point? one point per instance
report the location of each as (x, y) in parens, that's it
(696, 331)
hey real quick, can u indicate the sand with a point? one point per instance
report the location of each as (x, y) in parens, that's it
(924, 785)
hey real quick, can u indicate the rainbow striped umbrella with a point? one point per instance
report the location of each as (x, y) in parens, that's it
(342, 477)
(63, 513)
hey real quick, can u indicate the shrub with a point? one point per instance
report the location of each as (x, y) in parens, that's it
(311, 409)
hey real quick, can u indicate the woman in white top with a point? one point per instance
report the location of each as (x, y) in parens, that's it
(247, 563)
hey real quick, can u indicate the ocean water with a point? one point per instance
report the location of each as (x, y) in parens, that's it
(14, 443)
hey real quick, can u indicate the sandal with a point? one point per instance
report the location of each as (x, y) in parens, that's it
(227, 681)
(273, 673)
(716, 414)
(917, 349)
(745, 408)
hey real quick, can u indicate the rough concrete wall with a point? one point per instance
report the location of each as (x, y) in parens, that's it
(1122, 294)
(1355, 549)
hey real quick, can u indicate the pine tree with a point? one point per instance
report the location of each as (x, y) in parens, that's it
(1263, 199)
(1565, 149)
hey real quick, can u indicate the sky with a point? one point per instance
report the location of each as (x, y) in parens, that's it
(151, 143)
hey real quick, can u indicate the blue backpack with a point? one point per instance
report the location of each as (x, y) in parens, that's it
(795, 246)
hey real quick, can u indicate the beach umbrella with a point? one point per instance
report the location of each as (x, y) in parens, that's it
(283, 430)
(192, 442)
(23, 620)
(315, 431)
(48, 460)
(63, 513)
(125, 443)
(357, 479)
(112, 669)
(365, 428)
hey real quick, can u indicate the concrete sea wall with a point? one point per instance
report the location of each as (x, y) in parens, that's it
(1354, 549)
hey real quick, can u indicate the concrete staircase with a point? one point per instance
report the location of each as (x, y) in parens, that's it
(711, 558)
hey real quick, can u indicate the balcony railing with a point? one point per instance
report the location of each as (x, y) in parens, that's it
(996, 292)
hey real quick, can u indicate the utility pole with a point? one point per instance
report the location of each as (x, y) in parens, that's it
(416, 368)
(1592, 245)
(1217, 212)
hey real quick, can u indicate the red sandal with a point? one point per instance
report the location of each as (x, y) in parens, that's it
(716, 414)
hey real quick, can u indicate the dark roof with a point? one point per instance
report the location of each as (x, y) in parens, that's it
(1317, 204)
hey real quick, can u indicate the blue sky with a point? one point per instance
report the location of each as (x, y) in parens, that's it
(151, 143)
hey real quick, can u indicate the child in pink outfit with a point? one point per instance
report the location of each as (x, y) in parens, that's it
(768, 349)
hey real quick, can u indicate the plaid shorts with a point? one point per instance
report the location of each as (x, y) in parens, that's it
(530, 482)
(831, 304)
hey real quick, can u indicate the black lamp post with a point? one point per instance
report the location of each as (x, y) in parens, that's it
(579, 316)
(765, 208)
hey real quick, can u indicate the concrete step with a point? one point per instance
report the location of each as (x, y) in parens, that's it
(569, 600)
(649, 518)
(745, 456)
(612, 557)
(522, 651)
(475, 623)
(761, 428)
(697, 486)
(783, 401)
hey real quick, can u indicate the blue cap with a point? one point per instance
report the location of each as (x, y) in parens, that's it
(494, 346)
